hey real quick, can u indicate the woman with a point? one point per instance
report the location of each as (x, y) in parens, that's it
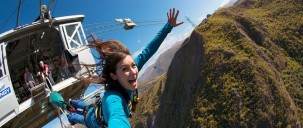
(119, 75)
(28, 78)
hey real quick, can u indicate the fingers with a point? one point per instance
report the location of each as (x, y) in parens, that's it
(179, 23)
(177, 14)
(170, 13)
(173, 13)
(172, 17)
(167, 15)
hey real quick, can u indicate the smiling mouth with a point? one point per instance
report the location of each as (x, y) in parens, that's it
(132, 81)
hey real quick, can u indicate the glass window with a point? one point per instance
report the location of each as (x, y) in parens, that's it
(74, 35)
(1, 72)
(82, 36)
(1, 61)
(72, 32)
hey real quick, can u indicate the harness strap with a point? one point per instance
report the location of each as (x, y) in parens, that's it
(135, 101)
(99, 113)
(99, 116)
(84, 112)
(98, 109)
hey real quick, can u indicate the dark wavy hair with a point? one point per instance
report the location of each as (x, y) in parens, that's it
(110, 53)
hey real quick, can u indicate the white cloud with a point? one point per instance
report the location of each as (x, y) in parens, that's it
(227, 3)
(202, 17)
(187, 32)
(168, 42)
(224, 2)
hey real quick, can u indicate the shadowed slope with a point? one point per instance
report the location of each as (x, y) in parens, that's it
(240, 68)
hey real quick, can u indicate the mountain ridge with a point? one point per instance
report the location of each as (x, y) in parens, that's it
(240, 68)
(158, 68)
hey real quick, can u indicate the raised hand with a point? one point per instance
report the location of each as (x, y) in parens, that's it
(172, 18)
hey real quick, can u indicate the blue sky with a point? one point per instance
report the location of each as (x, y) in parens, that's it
(105, 11)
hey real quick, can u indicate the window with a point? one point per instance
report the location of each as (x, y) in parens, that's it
(1, 72)
(1, 61)
(73, 34)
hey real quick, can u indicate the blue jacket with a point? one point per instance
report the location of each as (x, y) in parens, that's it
(114, 107)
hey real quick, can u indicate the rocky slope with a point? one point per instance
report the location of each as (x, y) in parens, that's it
(158, 68)
(241, 68)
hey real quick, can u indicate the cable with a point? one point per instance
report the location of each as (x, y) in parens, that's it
(101, 32)
(97, 23)
(120, 23)
(114, 29)
(146, 21)
(59, 116)
(151, 24)
(104, 32)
(10, 16)
(97, 27)
(100, 27)
(55, 7)
(108, 31)
(109, 24)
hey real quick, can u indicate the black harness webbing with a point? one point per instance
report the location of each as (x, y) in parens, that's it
(98, 109)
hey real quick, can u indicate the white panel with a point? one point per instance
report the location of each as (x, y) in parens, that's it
(8, 102)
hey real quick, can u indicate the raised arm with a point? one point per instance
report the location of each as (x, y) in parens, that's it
(153, 46)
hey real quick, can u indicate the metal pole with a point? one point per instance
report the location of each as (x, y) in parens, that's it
(19, 7)
(50, 5)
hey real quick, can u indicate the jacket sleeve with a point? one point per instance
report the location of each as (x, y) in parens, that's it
(153, 46)
(115, 109)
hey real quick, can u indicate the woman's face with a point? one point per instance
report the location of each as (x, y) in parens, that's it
(126, 73)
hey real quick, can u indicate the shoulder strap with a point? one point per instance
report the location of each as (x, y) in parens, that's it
(135, 100)
(98, 108)
(99, 114)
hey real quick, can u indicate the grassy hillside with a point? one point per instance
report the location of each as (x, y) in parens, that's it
(147, 110)
(241, 68)
(253, 69)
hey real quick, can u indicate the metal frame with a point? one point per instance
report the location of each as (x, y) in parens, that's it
(68, 40)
